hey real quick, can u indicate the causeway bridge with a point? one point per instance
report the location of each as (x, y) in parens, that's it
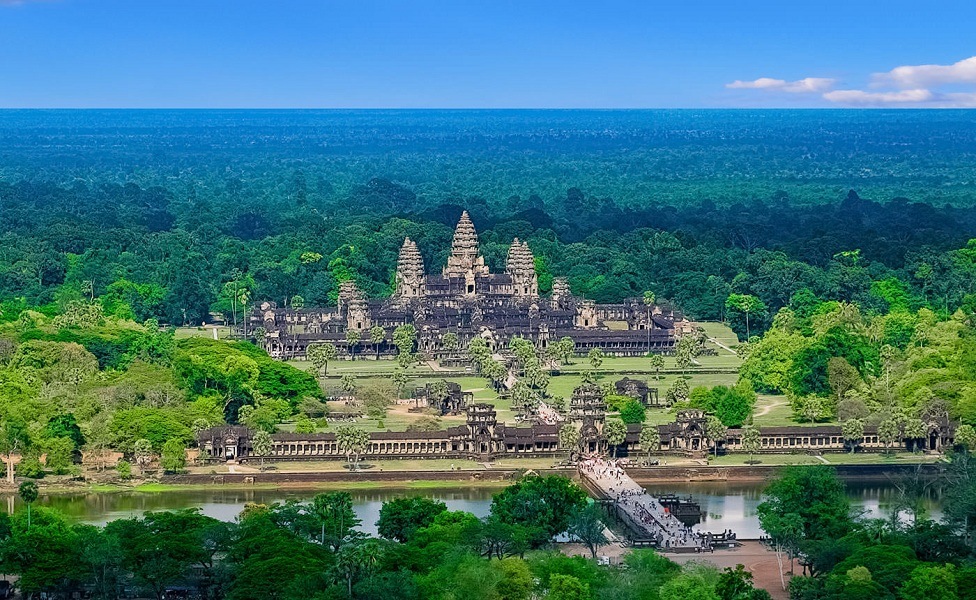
(648, 521)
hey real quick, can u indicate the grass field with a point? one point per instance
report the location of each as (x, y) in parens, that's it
(204, 332)
(846, 458)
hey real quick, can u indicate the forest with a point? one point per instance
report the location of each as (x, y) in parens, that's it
(118, 227)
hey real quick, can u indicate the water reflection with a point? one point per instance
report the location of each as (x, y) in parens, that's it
(726, 505)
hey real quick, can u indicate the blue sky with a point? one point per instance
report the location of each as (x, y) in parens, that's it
(486, 53)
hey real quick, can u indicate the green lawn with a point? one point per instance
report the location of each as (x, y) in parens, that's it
(845, 458)
(413, 464)
(204, 332)
(364, 367)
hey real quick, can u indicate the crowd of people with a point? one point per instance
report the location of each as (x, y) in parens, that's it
(642, 508)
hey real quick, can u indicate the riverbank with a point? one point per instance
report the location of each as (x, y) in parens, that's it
(412, 475)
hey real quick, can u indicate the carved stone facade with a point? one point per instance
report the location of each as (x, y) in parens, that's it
(467, 299)
(483, 438)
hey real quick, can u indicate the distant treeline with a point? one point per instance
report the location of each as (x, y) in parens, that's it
(174, 254)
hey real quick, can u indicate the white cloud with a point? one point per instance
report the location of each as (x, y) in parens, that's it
(924, 76)
(860, 97)
(936, 86)
(809, 85)
(918, 97)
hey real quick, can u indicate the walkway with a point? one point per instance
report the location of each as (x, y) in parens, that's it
(641, 509)
(721, 345)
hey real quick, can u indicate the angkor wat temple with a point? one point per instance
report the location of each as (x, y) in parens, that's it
(467, 299)
(482, 437)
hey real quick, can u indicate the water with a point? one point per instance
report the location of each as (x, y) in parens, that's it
(726, 505)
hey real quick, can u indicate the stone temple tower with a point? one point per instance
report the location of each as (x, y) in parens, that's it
(465, 261)
(520, 266)
(561, 294)
(353, 306)
(410, 271)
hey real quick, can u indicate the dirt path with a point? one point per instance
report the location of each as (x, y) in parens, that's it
(723, 346)
(767, 409)
(756, 558)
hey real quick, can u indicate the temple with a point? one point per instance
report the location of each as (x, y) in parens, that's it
(482, 437)
(467, 299)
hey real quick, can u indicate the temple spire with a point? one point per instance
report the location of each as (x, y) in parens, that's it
(465, 259)
(410, 271)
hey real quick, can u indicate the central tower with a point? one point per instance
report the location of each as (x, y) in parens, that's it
(465, 261)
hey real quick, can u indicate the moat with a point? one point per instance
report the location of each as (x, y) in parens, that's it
(726, 505)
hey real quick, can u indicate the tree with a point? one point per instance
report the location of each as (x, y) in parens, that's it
(262, 444)
(914, 430)
(399, 380)
(889, 432)
(812, 408)
(353, 337)
(404, 338)
(542, 504)
(657, 363)
(965, 437)
(401, 518)
(853, 432)
(336, 517)
(841, 376)
(303, 424)
(751, 441)
(567, 587)
(569, 437)
(736, 584)
(376, 337)
(648, 298)
(28, 494)
(320, 355)
(595, 356)
(615, 432)
(930, 582)
(633, 412)
(564, 350)
(852, 408)
(60, 455)
(650, 439)
(716, 431)
(450, 341)
(143, 454)
(173, 456)
(688, 586)
(678, 392)
(805, 503)
(14, 439)
(684, 352)
(348, 383)
(587, 526)
(747, 305)
(352, 441)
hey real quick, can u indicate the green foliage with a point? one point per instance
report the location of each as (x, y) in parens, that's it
(155, 425)
(173, 455)
(806, 503)
(633, 411)
(400, 518)
(542, 503)
(733, 406)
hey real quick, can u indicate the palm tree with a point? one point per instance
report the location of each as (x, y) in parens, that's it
(650, 439)
(262, 444)
(649, 299)
(376, 336)
(28, 493)
(615, 432)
